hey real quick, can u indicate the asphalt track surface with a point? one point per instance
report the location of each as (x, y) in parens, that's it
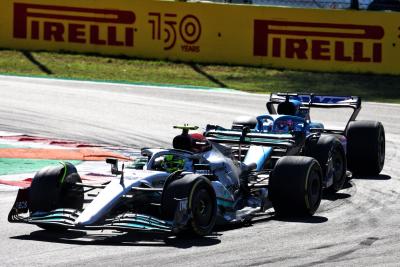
(358, 226)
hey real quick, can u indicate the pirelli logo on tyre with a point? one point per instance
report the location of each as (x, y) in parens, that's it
(73, 24)
(318, 41)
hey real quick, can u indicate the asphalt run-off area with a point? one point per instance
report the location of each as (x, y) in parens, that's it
(78, 121)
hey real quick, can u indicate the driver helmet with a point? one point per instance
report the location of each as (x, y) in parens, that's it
(199, 143)
(267, 125)
(172, 163)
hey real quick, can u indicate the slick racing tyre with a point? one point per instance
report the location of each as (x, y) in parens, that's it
(202, 203)
(295, 186)
(244, 121)
(365, 147)
(54, 187)
(329, 153)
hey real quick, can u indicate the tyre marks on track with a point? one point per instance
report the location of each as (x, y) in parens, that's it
(339, 199)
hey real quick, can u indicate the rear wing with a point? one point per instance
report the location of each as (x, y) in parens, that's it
(309, 100)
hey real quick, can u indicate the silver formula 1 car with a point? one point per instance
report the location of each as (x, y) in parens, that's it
(190, 187)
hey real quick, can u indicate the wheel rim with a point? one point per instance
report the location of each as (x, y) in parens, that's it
(338, 167)
(335, 166)
(381, 149)
(202, 208)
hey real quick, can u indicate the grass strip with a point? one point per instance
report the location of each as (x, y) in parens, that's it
(385, 88)
(17, 166)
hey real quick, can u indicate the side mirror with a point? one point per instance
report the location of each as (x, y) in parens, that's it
(112, 161)
(252, 166)
(114, 166)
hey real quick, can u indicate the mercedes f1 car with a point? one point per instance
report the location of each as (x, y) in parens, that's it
(190, 187)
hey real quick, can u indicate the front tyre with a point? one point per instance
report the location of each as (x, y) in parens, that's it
(295, 186)
(55, 187)
(245, 121)
(203, 207)
(202, 202)
(329, 153)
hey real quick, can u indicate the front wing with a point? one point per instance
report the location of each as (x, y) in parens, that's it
(66, 218)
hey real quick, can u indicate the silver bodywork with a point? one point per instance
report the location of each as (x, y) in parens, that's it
(232, 207)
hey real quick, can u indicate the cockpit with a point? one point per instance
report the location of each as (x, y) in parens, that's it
(280, 124)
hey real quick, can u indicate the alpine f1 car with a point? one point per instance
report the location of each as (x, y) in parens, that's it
(358, 149)
(190, 187)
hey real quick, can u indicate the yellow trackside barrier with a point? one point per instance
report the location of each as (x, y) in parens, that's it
(309, 39)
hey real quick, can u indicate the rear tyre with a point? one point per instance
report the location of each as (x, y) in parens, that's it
(202, 203)
(329, 153)
(295, 186)
(365, 147)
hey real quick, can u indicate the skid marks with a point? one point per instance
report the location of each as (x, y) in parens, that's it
(391, 153)
(342, 256)
(339, 199)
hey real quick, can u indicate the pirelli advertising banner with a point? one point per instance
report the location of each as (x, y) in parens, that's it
(309, 39)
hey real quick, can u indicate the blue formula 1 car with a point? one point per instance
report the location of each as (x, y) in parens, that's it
(358, 149)
(190, 187)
